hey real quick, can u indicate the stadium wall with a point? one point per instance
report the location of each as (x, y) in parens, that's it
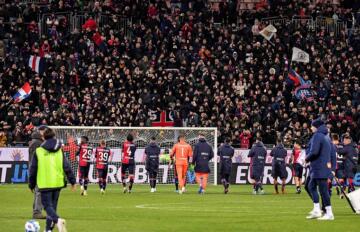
(14, 163)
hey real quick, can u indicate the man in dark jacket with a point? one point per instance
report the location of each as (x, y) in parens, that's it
(318, 155)
(279, 154)
(258, 157)
(36, 141)
(349, 154)
(47, 171)
(226, 152)
(152, 152)
(203, 153)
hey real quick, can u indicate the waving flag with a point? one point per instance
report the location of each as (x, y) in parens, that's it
(295, 78)
(299, 55)
(22, 93)
(37, 64)
(268, 32)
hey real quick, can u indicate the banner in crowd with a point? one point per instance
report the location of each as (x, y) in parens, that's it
(14, 154)
(14, 168)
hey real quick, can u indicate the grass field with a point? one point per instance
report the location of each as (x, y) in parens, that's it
(167, 211)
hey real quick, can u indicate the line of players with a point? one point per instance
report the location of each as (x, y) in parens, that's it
(344, 160)
(182, 156)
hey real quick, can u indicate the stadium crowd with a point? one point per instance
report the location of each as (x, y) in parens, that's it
(210, 68)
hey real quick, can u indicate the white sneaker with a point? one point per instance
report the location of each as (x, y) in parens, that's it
(315, 214)
(254, 192)
(82, 190)
(102, 191)
(262, 192)
(327, 217)
(180, 192)
(61, 225)
(152, 190)
(85, 193)
(183, 189)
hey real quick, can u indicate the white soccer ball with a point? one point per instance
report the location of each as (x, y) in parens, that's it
(32, 226)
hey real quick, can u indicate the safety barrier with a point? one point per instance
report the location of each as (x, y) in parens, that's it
(303, 21)
(330, 25)
(70, 22)
(276, 21)
(326, 24)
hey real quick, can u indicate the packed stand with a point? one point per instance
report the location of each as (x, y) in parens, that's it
(177, 59)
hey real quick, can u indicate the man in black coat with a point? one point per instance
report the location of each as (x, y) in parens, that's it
(349, 154)
(258, 157)
(36, 141)
(279, 154)
(203, 153)
(152, 152)
(226, 152)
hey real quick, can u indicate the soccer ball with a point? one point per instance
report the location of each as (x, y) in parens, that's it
(32, 226)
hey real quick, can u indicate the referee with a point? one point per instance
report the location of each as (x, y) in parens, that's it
(47, 171)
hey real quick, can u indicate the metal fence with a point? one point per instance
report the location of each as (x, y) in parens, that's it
(61, 20)
(275, 21)
(330, 25)
(303, 22)
(326, 24)
(70, 22)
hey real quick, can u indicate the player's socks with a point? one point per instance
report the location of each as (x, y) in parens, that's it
(276, 188)
(100, 183)
(351, 185)
(154, 184)
(337, 190)
(131, 184)
(86, 182)
(176, 184)
(283, 188)
(81, 182)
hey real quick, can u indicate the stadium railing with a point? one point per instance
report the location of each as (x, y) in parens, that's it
(330, 25)
(75, 20)
(275, 21)
(303, 21)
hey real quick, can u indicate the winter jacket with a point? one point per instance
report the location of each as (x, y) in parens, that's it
(319, 154)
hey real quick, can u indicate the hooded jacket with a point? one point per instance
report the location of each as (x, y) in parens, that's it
(258, 154)
(319, 153)
(226, 152)
(203, 153)
(36, 141)
(350, 155)
(152, 152)
(51, 145)
(279, 154)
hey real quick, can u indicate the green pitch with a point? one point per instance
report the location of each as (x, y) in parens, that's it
(167, 211)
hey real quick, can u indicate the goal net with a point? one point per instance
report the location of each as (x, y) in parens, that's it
(166, 137)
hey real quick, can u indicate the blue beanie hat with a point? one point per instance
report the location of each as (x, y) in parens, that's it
(317, 123)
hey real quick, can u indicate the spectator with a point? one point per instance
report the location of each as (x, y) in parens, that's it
(226, 76)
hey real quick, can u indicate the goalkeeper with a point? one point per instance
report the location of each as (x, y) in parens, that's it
(182, 151)
(203, 153)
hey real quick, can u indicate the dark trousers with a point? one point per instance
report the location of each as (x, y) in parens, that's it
(49, 199)
(306, 186)
(322, 185)
(37, 206)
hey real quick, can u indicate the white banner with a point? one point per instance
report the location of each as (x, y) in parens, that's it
(14, 154)
(22, 154)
